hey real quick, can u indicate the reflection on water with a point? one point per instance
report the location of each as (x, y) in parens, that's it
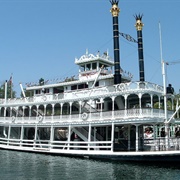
(19, 165)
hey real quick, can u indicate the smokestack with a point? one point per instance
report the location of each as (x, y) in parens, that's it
(139, 25)
(115, 12)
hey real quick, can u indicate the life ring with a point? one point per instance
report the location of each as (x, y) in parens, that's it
(44, 98)
(84, 116)
(13, 118)
(55, 96)
(40, 118)
(121, 87)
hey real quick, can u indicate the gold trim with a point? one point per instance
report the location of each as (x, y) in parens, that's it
(139, 25)
(115, 10)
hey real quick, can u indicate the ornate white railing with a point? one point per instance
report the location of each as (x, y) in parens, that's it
(122, 115)
(130, 87)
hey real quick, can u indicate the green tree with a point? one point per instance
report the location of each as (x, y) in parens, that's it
(10, 92)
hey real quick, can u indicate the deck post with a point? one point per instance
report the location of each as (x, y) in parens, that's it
(61, 111)
(137, 138)
(69, 136)
(70, 110)
(112, 137)
(167, 136)
(51, 136)
(129, 137)
(21, 137)
(9, 132)
(35, 136)
(113, 99)
(89, 137)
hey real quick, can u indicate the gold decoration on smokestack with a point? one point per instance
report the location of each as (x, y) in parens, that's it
(115, 9)
(139, 25)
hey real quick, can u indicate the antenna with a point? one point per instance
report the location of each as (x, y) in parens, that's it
(160, 35)
(163, 74)
(166, 122)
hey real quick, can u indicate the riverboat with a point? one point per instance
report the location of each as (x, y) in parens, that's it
(97, 115)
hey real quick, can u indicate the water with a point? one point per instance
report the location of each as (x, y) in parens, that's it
(24, 166)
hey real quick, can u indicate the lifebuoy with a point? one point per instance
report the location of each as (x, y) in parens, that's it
(84, 116)
(40, 118)
(44, 98)
(55, 96)
(13, 118)
(121, 87)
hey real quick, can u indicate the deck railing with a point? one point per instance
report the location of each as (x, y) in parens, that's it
(123, 115)
(83, 93)
(158, 144)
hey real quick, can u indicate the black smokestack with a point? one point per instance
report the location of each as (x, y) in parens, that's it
(115, 12)
(139, 25)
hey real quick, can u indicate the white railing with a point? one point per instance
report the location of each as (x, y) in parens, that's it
(129, 87)
(124, 115)
(47, 144)
(158, 144)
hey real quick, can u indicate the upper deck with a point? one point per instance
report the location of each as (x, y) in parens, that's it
(87, 94)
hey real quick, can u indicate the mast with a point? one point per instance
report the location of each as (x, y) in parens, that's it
(115, 13)
(166, 123)
(139, 25)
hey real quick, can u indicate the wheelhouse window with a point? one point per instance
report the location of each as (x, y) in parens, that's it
(37, 91)
(82, 68)
(46, 91)
(74, 87)
(82, 86)
(57, 90)
(88, 67)
(94, 66)
(97, 83)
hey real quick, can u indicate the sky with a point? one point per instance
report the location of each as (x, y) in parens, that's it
(42, 38)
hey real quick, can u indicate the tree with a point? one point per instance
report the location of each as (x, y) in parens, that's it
(10, 92)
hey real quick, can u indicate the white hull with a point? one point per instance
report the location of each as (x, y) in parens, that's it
(148, 156)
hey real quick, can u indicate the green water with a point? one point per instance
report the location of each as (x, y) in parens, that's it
(22, 166)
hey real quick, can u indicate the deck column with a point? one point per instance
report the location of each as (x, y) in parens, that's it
(9, 133)
(21, 138)
(70, 109)
(35, 136)
(80, 109)
(10, 111)
(51, 136)
(113, 99)
(125, 106)
(61, 110)
(112, 137)
(30, 111)
(167, 136)
(101, 100)
(52, 115)
(137, 138)
(45, 111)
(89, 137)
(129, 137)
(69, 136)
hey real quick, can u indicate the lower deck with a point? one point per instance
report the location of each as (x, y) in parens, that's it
(88, 139)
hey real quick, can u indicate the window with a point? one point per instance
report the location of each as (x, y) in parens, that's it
(94, 65)
(74, 87)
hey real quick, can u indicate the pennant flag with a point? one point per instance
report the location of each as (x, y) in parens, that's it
(10, 80)
(128, 37)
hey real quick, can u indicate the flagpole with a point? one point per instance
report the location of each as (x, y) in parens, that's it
(165, 93)
(11, 85)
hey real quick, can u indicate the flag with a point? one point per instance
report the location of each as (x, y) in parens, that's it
(128, 37)
(10, 80)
